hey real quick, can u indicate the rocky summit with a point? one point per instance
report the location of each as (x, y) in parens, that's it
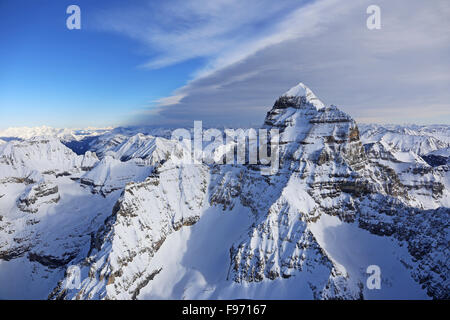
(119, 208)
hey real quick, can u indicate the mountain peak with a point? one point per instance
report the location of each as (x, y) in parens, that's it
(301, 90)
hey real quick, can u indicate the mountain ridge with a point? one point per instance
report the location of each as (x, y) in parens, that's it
(161, 229)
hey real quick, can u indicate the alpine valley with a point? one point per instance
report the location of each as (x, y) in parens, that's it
(116, 205)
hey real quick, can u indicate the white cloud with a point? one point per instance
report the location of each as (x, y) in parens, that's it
(181, 30)
(168, 101)
(257, 50)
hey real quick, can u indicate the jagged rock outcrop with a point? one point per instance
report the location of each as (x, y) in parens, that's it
(38, 195)
(145, 215)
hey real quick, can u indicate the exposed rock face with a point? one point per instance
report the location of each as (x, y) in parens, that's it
(321, 156)
(37, 195)
(281, 246)
(425, 233)
(324, 156)
(139, 225)
(424, 184)
(51, 261)
(145, 215)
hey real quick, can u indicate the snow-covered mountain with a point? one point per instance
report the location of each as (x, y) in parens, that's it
(44, 131)
(419, 139)
(120, 207)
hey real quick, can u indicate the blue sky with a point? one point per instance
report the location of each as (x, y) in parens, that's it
(90, 77)
(224, 61)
